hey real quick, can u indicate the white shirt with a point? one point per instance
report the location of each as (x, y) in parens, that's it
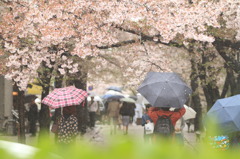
(92, 107)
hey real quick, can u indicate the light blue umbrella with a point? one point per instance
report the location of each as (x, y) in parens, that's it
(226, 113)
(119, 89)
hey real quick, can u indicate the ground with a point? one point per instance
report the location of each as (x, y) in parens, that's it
(101, 134)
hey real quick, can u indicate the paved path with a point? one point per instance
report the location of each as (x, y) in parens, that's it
(101, 134)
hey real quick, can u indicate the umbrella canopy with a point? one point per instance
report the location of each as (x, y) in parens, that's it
(96, 98)
(226, 113)
(63, 97)
(190, 113)
(127, 100)
(114, 97)
(118, 89)
(164, 89)
(29, 98)
(112, 93)
(133, 97)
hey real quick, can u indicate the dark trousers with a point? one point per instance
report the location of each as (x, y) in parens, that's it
(32, 127)
(92, 118)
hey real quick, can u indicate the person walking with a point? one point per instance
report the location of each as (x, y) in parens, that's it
(145, 120)
(156, 113)
(126, 112)
(113, 114)
(93, 107)
(67, 125)
(33, 118)
(179, 135)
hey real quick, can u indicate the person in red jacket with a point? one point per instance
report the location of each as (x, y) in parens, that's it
(175, 115)
(154, 112)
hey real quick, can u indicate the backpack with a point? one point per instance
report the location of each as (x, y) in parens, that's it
(164, 126)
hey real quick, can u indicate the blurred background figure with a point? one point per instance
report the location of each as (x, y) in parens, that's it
(126, 111)
(93, 107)
(33, 117)
(113, 114)
(179, 136)
(140, 105)
(146, 119)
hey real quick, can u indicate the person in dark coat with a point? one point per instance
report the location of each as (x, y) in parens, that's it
(126, 111)
(33, 118)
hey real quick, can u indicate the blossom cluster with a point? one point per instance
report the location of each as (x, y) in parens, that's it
(30, 28)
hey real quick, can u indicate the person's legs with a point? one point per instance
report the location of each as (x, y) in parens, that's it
(114, 128)
(115, 123)
(92, 119)
(33, 128)
(111, 122)
(126, 130)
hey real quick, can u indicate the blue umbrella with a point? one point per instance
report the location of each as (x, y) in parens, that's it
(115, 97)
(112, 97)
(115, 88)
(106, 96)
(226, 113)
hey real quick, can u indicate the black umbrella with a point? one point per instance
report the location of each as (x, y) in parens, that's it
(164, 89)
(29, 98)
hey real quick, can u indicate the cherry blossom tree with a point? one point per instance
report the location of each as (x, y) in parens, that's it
(36, 32)
(85, 27)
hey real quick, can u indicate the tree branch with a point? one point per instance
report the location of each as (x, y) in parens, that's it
(142, 37)
(220, 46)
(119, 44)
(110, 61)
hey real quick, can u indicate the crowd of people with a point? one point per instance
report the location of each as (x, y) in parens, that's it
(158, 122)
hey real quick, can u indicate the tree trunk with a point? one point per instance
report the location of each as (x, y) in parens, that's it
(222, 46)
(195, 102)
(238, 84)
(21, 119)
(44, 116)
(209, 84)
(232, 82)
(226, 84)
(82, 109)
(203, 79)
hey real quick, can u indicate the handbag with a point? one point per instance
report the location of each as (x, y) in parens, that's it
(54, 128)
(149, 128)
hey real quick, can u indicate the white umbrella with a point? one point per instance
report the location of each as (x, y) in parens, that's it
(128, 100)
(141, 99)
(190, 113)
(112, 92)
(96, 98)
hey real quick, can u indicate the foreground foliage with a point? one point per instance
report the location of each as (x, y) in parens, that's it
(123, 147)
